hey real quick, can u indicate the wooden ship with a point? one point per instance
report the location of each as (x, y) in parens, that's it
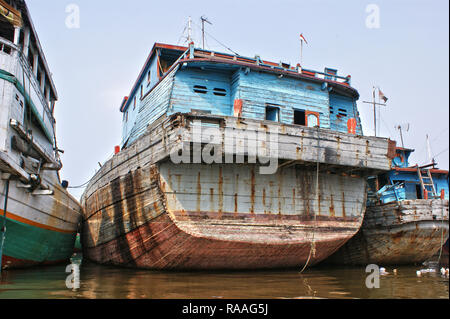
(38, 217)
(146, 208)
(406, 220)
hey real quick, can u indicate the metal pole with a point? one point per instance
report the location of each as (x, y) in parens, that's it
(189, 30)
(204, 19)
(430, 159)
(401, 135)
(301, 52)
(3, 230)
(374, 113)
(203, 33)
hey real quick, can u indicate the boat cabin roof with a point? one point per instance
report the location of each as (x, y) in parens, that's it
(174, 55)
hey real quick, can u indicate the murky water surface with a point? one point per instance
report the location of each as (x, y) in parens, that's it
(323, 282)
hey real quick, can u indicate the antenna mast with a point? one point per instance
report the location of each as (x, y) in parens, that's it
(399, 127)
(430, 158)
(204, 19)
(189, 30)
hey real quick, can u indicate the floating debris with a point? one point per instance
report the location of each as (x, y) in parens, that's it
(383, 271)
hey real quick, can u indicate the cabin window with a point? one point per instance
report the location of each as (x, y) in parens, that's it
(197, 111)
(5, 48)
(219, 92)
(134, 103)
(312, 119)
(6, 29)
(331, 110)
(200, 89)
(342, 112)
(299, 117)
(272, 113)
(149, 76)
(142, 91)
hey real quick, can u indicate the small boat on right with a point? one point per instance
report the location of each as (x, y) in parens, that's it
(406, 219)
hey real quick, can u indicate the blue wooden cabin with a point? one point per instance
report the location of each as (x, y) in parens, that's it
(403, 181)
(186, 79)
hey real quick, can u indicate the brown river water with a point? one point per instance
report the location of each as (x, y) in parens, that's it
(120, 283)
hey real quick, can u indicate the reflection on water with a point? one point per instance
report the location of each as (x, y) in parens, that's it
(111, 282)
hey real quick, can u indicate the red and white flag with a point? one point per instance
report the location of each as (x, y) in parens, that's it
(382, 96)
(303, 38)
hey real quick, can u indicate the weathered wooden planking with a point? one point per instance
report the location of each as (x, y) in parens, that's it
(295, 143)
(404, 232)
(161, 244)
(140, 190)
(135, 219)
(148, 109)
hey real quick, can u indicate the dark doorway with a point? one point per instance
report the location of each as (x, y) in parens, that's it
(299, 117)
(419, 191)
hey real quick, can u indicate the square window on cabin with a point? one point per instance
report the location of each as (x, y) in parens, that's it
(149, 76)
(299, 117)
(134, 103)
(272, 113)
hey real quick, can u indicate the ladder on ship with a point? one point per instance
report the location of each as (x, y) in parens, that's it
(426, 181)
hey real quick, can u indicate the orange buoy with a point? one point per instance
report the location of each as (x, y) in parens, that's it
(238, 108)
(351, 126)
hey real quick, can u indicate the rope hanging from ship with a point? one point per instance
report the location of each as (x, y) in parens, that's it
(442, 235)
(3, 229)
(312, 250)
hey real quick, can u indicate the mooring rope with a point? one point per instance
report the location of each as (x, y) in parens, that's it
(312, 250)
(442, 235)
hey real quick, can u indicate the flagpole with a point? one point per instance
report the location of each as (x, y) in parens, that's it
(301, 52)
(374, 103)
(374, 113)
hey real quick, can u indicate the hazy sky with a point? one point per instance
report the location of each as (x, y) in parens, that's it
(94, 66)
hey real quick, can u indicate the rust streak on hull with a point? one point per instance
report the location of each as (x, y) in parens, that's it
(142, 210)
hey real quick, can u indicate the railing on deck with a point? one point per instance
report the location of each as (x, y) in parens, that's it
(257, 61)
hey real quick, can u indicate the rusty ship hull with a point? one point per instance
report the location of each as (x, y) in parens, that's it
(405, 232)
(237, 222)
(142, 210)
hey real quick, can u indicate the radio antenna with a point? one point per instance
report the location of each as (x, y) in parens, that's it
(204, 19)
